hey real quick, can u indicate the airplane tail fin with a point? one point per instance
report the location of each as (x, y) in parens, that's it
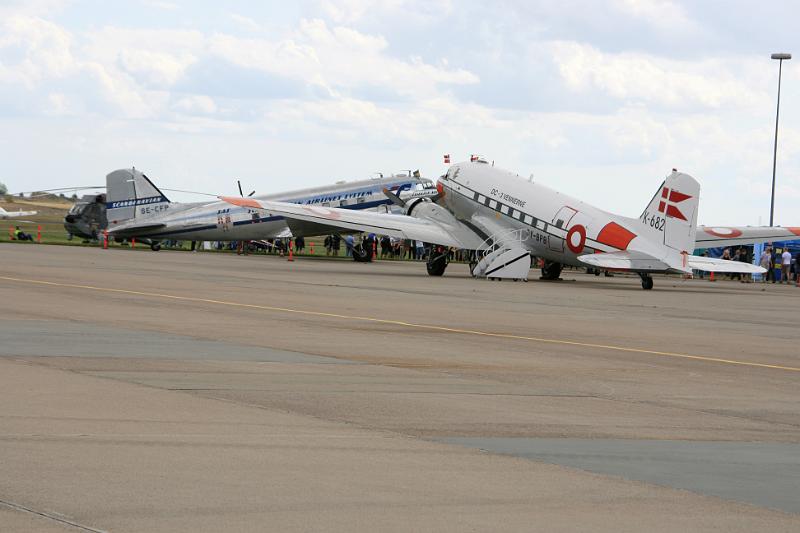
(671, 216)
(131, 195)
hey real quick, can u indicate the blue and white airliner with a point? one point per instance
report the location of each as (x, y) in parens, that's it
(136, 208)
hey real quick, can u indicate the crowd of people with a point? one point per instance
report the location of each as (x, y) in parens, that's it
(780, 267)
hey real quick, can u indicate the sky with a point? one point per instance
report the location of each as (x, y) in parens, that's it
(598, 99)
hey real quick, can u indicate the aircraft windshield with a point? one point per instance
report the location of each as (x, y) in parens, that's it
(77, 209)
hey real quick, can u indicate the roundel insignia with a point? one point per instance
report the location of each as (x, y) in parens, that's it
(723, 232)
(576, 238)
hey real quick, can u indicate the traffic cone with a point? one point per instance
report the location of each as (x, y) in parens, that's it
(105, 239)
(39, 234)
(312, 247)
(291, 254)
(711, 278)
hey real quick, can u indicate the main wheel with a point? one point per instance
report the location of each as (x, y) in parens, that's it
(156, 246)
(647, 283)
(551, 270)
(437, 261)
(361, 254)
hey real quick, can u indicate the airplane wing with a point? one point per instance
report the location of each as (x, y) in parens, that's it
(625, 260)
(715, 237)
(133, 229)
(439, 228)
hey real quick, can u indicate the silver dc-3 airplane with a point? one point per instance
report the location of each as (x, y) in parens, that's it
(136, 208)
(507, 219)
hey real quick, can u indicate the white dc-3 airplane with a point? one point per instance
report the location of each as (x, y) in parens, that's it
(136, 208)
(15, 214)
(508, 219)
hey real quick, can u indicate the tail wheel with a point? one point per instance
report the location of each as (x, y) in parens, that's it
(437, 261)
(551, 271)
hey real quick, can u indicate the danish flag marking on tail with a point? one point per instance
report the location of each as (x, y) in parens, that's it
(669, 198)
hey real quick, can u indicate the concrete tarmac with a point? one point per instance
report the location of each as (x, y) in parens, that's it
(179, 391)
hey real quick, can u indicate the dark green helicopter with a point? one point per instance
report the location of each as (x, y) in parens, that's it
(87, 217)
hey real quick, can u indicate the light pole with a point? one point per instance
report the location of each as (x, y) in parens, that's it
(780, 57)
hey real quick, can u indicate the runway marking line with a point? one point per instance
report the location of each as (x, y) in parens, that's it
(429, 327)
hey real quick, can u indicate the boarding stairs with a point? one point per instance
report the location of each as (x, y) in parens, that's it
(504, 256)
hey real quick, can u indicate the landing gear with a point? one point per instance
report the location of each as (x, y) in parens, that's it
(156, 246)
(437, 261)
(361, 254)
(647, 281)
(551, 271)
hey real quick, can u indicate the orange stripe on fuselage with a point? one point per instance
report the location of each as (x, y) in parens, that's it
(615, 235)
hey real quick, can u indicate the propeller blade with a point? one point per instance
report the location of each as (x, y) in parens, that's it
(394, 198)
(239, 183)
(251, 194)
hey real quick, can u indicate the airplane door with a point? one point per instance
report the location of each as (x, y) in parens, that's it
(561, 220)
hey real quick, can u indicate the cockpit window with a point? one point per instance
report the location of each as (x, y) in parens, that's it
(77, 209)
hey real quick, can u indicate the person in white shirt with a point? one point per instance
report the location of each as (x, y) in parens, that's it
(786, 263)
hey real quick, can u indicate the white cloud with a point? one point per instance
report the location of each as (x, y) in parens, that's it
(167, 6)
(411, 11)
(639, 77)
(245, 23)
(337, 58)
(662, 14)
(196, 104)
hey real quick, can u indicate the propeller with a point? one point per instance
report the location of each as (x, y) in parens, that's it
(239, 183)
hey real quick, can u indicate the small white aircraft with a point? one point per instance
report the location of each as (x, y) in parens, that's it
(507, 219)
(4, 215)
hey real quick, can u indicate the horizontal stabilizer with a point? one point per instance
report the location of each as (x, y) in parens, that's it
(710, 264)
(625, 260)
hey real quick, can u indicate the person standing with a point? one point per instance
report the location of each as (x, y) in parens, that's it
(797, 268)
(765, 262)
(744, 258)
(786, 264)
(736, 257)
